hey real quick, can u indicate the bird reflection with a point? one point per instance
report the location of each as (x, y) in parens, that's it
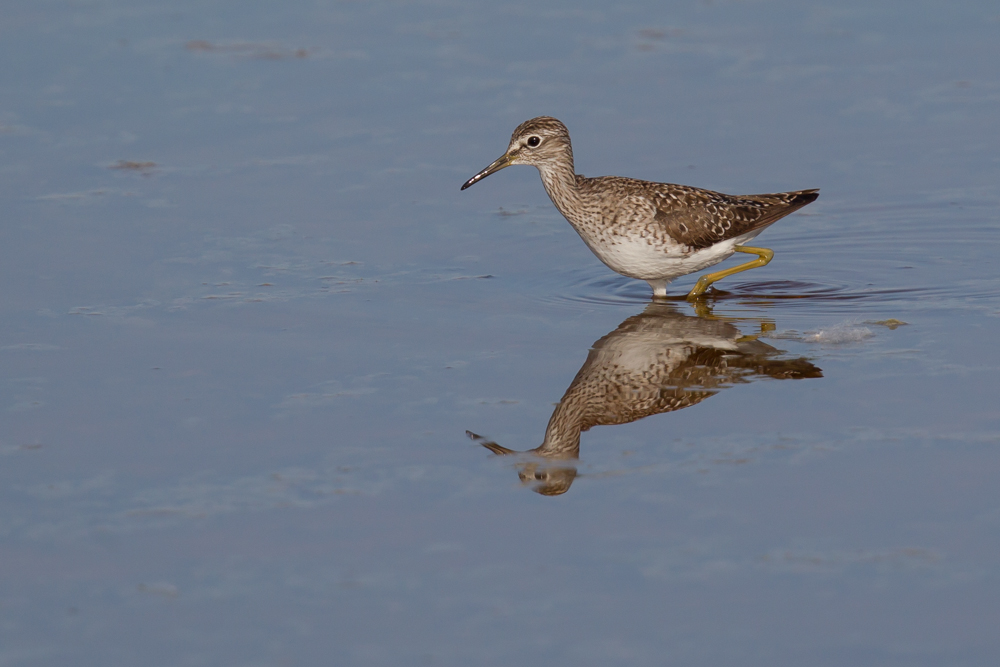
(660, 360)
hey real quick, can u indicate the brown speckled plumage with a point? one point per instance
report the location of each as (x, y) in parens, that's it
(650, 231)
(654, 362)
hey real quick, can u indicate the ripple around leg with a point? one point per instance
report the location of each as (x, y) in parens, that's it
(600, 287)
(586, 288)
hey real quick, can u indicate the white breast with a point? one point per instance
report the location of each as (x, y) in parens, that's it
(646, 258)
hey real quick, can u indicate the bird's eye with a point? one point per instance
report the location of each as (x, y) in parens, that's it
(534, 141)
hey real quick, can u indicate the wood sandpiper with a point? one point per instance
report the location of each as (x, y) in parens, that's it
(658, 361)
(655, 232)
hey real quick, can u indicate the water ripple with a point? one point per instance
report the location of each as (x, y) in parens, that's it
(611, 290)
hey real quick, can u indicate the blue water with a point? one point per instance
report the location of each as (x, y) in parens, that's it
(247, 318)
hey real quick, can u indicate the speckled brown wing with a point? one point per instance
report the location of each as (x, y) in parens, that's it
(701, 218)
(604, 394)
(635, 407)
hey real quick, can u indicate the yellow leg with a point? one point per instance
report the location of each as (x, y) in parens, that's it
(702, 309)
(765, 327)
(763, 257)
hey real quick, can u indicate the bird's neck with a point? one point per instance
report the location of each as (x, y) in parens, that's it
(562, 436)
(559, 179)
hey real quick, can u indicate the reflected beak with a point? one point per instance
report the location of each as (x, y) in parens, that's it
(501, 162)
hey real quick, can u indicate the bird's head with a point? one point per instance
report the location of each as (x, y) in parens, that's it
(539, 142)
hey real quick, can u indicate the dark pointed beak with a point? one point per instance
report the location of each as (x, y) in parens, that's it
(490, 445)
(501, 162)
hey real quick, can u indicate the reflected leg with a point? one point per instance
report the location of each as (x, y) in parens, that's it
(763, 257)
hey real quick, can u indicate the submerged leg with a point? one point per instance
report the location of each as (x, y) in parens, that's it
(766, 326)
(703, 309)
(659, 287)
(763, 257)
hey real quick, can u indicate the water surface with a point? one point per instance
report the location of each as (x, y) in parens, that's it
(248, 319)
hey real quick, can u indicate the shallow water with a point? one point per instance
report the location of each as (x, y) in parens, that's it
(249, 319)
